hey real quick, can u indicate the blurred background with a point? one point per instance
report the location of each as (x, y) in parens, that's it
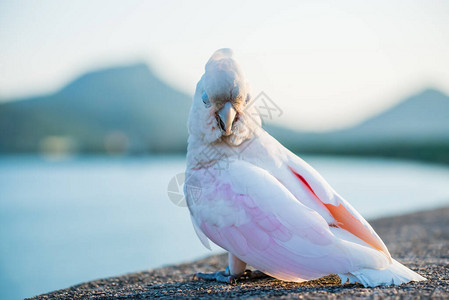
(94, 99)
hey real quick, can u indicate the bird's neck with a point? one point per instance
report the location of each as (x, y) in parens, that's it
(202, 155)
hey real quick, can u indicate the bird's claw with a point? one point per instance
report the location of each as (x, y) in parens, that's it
(219, 276)
(226, 277)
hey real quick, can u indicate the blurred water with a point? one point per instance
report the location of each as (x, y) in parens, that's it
(68, 222)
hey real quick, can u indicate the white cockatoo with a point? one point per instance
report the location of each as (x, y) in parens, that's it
(266, 206)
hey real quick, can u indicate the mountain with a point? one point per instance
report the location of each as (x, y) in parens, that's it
(119, 109)
(129, 109)
(417, 128)
(421, 118)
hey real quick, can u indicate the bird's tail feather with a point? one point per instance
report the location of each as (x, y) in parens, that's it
(395, 274)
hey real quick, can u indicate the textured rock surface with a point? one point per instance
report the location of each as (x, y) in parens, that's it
(419, 240)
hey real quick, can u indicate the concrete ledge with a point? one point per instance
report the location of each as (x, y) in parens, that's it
(419, 240)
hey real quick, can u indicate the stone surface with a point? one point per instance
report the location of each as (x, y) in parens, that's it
(419, 240)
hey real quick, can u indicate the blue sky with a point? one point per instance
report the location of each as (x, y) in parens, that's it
(327, 64)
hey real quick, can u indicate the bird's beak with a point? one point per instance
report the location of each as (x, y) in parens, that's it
(226, 117)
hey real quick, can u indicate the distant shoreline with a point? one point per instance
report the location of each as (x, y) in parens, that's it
(302, 153)
(419, 240)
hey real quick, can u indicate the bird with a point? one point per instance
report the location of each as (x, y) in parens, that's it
(267, 207)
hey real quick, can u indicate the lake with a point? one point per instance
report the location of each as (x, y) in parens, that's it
(66, 222)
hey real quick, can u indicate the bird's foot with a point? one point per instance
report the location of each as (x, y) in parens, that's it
(226, 277)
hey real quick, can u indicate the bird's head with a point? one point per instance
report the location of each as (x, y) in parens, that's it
(220, 109)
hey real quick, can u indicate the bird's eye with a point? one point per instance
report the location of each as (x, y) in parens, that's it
(248, 98)
(206, 99)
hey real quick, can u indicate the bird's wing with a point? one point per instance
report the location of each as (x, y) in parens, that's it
(251, 214)
(343, 214)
